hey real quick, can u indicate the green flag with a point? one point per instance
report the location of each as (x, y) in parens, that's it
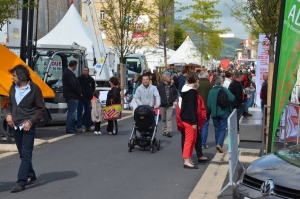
(289, 59)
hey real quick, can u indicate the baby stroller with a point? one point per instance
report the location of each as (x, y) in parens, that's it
(146, 125)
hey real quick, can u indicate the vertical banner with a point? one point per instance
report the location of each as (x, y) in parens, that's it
(288, 62)
(262, 64)
(291, 124)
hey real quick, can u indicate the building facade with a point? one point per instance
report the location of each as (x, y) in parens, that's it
(49, 14)
(156, 38)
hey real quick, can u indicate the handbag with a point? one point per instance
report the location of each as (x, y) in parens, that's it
(113, 111)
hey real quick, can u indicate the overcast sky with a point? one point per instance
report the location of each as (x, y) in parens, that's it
(226, 21)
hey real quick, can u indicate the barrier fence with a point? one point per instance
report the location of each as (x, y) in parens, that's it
(289, 127)
(233, 150)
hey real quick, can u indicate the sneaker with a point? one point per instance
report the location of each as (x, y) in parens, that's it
(79, 130)
(96, 133)
(88, 129)
(110, 133)
(205, 147)
(169, 135)
(99, 133)
(114, 132)
(219, 149)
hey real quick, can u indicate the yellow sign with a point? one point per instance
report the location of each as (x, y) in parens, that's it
(101, 60)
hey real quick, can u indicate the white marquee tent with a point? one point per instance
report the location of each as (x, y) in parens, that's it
(155, 55)
(187, 53)
(70, 29)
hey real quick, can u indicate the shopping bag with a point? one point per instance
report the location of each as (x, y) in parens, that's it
(112, 112)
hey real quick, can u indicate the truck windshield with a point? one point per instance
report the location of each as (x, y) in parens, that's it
(134, 64)
(58, 64)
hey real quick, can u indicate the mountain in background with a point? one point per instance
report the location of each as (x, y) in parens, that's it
(230, 44)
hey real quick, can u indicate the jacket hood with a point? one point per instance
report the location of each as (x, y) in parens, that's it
(186, 88)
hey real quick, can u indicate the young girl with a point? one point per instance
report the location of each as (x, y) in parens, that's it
(96, 112)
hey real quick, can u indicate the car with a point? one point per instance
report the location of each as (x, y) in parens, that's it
(275, 175)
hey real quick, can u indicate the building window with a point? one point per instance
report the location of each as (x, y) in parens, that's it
(102, 15)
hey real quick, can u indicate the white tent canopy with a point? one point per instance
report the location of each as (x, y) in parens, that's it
(70, 29)
(187, 53)
(155, 55)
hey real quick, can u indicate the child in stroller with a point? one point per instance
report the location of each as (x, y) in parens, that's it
(146, 125)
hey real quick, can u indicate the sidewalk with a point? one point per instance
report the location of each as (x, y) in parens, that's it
(216, 176)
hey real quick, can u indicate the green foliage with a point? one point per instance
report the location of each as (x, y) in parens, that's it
(7, 10)
(120, 23)
(204, 22)
(259, 16)
(179, 35)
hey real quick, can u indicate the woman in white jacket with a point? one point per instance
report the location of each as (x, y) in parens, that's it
(96, 113)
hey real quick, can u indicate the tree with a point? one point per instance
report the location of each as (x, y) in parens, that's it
(165, 21)
(179, 36)
(127, 27)
(8, 10)
(204, 22)
(259, 16)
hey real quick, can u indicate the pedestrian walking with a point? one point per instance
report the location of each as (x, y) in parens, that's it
(113, 97)
(87, 84)
(237, 89)
(219, 110)
(204, 87)
(72, 92)
(188, 115)
(24, 110)
(168, 94)
(201, 113)
(146, 94)
(132, 86)
(181, 81)
(96, 113)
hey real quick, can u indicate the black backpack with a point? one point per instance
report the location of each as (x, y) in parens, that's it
(222, 99)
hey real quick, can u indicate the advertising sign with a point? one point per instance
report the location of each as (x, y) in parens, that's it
(292, 122)
(289, 59)
(261, 65)
(141, 27)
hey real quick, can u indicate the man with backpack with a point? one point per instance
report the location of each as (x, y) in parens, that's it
(219, 106)
(237, 89)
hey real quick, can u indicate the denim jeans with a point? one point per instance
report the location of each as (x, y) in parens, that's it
(204, 133)
(86, 104)
(249, 102)
(239, 111)
(24, 141)
(72, 107)
(220, 125)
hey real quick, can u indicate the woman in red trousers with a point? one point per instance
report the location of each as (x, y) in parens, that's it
(188, 103)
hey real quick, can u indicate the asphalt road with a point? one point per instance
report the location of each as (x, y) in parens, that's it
(90, 166)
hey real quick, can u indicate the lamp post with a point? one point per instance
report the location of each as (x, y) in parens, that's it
(165, 45)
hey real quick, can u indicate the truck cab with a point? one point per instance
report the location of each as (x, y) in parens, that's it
(49, 64)
(137, 63)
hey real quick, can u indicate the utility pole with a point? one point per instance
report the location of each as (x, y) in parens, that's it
(23, 48)
(30, 34)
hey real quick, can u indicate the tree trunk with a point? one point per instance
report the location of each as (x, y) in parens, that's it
(122, 81)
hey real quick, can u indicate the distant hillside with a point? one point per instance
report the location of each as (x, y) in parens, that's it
(230, 44)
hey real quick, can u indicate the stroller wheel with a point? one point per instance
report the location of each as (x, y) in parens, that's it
(158, 144)
(130, 145)
(151, 148)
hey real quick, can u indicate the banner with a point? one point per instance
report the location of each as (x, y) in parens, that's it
(289, 59)
(225, 64)
(262, 64)
(292, 122)
(141, 27)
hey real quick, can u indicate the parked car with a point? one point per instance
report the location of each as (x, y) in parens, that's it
(276, 175)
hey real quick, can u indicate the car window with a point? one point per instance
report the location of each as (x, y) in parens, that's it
(290, 155)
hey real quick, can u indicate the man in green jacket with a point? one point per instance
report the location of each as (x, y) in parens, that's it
(203, 89)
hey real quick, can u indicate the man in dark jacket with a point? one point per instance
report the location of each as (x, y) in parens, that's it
(72, 93)
(204, 87)
(237, 89)
(24, 110)
(168, 95)
(181, 80)
(87, 84)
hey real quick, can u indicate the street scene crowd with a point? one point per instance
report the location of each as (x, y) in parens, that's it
(195, 96)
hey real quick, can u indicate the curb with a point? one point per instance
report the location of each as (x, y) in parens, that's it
(11, 149)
